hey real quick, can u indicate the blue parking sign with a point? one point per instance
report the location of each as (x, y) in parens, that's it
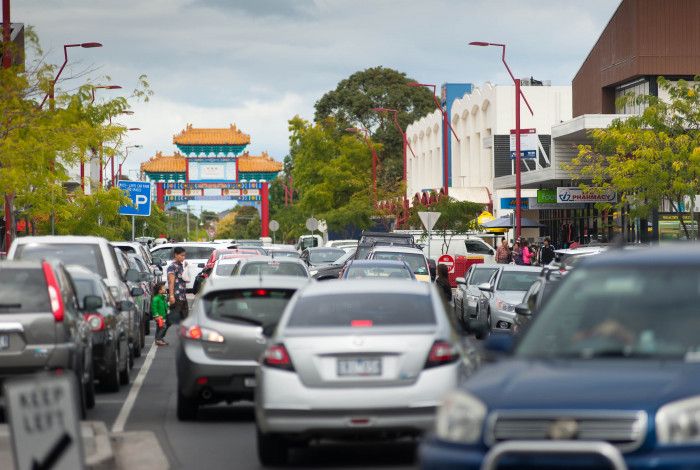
(140, 194)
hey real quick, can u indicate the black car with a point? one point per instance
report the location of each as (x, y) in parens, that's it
(314, 257)
(109, 325)
(333, 270)
(369, 239)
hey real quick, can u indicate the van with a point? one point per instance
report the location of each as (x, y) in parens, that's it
(458, 245)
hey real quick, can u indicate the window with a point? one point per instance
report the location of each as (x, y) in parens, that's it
(81, 254)
(23, 291)
(415, 261)
(163, 254)
(635, 89)
(517, 280)
(198, 252)
(274, 269)
(325, 256)
(258, 307)
(481, 275)
(477, 247)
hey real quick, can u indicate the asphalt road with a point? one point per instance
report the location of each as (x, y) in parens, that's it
(224, 436)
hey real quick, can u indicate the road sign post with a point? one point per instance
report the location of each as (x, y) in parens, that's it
(274, 226)
(448, 261)
(139, 192)
(429, 219)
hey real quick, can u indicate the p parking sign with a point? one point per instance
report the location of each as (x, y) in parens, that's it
(140, 194)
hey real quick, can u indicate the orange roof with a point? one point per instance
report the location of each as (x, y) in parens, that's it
(203, 136)
(262, 163)
(165, 164)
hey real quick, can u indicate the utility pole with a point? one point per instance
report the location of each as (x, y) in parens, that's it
(6, 63)
(188, 222)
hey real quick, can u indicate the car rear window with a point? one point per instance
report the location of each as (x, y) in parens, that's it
(198, 252)
(23, 291)
(225, 269)
(261, 307)
(517, 280)
(274, 269)
(355, 310)
(82, 254)
(85, 287)
(381, 272)
(415, 261)
(325, 256)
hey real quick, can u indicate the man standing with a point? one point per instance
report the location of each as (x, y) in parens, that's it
(546, 252)
(177, 287)
(503, 252)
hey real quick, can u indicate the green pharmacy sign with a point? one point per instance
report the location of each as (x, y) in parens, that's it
(547, 196)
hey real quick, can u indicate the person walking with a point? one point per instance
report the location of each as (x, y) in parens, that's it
(159, 309)
(526, 254)
(503, 255)
(443, 283)
(546, 252)
(177, 287)
(517, 257)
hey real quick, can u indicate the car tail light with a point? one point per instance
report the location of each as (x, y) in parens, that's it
(197, 333)
(442, 353)
(361, 323)
(277, 356)
(54, 292)
(96, 321)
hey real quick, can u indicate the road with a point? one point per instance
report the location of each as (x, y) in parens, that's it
(223, 434)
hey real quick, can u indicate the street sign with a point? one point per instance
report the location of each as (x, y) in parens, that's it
(274, 225)
(448, 261)
(529, 143)
(140, 194)
(429, 219)
(311, 224)
(44, 425)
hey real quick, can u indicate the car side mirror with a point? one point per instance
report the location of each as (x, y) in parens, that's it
(132, 275)
(136, 292)
(485, 287)
(92, 302)
(461, 281)
(480, 328)
(523, 309)
(125, 305)
(500, 343)
(268, 330)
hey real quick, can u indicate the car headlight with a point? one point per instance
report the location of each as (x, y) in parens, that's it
(313, 272)
(473, 298)
(505, 306)
(460, 418)
(679, 422)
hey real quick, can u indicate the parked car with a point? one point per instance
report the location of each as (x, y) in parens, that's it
(353, 359)
(218, 253)
(95, 254)
(196, 256)
(138, 249)
(221, 341)
(501, 294)
(314, 257)
(109, 325)
(372, 269)
(225, 265)
(138, 297)
(607, 373)
(147, 284)
(334, 269)
(413, 256)
(466, 298)
(266, 266)
(282, 251)
(540, 291)
(42, 325)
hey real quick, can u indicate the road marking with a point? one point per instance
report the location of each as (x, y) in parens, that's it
(123, 416)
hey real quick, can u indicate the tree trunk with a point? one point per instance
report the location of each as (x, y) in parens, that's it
(680, 218)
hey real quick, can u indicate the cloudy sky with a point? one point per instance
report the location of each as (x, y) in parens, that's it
(259, 62)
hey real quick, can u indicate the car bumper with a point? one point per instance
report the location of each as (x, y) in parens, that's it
(502, 320)
(225, 379)
(284, 404)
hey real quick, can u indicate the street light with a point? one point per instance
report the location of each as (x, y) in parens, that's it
(126, 154)
(82, 163)
(84, 45)
(365, 134)
(518, 93)
(103, 87)
(445, 124)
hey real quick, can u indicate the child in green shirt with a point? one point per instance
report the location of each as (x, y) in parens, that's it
(159, 310)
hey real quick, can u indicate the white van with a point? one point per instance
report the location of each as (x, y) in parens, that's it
(458, 245)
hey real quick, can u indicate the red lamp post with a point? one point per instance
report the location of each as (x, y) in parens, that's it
(365, 134)
(50, 94)
(126, 154)
(114, 181)
(445, 124)
(6, 64)
(518, 94)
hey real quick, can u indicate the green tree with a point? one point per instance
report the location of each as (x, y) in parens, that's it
(241, 223)
(351, 103)
(456, 217)
(649, 158)
(95, 214)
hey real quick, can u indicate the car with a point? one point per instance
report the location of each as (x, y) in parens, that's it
(372, 269)
(314, 257)
(501, 294)
(369, 239)
(215, 255)
(467, 294)
(42, 325)
(355, 359)
(222, 339)
(225, 265)
(95, 254)
(196, 256)
(333, 270)
(282, 250)
(267, 266)
(109, 325)
(608, 370)
(138, 297)
(540, 291)
(141, 251)
(147, 284)
(413, 256)
(341, 243)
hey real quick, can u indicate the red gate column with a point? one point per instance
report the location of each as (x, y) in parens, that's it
(265, 209)
(160, 195)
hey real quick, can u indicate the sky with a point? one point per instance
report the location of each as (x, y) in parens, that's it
(257, 63)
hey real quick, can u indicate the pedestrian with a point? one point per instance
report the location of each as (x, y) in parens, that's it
(503, 255)
(159, 310)
(526, 253)
(443, 283)
(547, 252)
(177, 287)
(517, 257)
(535, 258)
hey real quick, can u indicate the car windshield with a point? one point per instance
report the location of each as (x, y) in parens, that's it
(620, 312)
(23, 291)
(225, 269)
(517, 280)
(481, 275)
(274, 269)
(82, 254)
(362, 310)
(257, 307)
(386, 272)
(415, 261)
(325, 256)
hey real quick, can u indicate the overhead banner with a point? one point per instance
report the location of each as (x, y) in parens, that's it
(573, 195)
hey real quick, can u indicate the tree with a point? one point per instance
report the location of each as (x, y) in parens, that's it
(241, 223)
(95, 214)
(351, 103)
(456, 217)
(649, 158)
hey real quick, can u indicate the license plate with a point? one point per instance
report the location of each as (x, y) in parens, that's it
(249, 382)
(359, 367)
(4, 342)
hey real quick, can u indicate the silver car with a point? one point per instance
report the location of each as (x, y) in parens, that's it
(222, 339)
(355, 358)
(505, 290)
(467, 294)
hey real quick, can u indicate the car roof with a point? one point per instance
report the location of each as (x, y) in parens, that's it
(377, 262)
(683, 254)
(248, 282)
(324, 248)
(367, 286)
(60, 239)
(280, 248)
(268, 259)
(398, 249)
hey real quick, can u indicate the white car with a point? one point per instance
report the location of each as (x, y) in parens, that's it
(196, 256)
(341, 244)
(414, 257)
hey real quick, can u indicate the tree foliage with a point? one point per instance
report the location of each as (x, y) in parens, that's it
(649, 158)
(456, 217)
(241, 223)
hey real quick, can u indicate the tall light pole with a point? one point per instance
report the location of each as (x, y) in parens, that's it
(126, 154)
(364, 132)
(445, 125)
(114, 182)
(518, 93)
(6, 64)
(52, 86)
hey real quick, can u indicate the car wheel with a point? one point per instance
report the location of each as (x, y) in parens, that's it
(110, 381)
(273, 449)
(124, 373)
(186, 407)
(132, 354)
(147, 324)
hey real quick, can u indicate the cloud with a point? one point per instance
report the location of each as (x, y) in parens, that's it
(263, 8)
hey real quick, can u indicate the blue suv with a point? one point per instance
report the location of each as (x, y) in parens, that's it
(606, 376)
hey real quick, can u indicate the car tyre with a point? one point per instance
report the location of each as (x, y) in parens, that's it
(186, 407)
(273, 449)
(110, 382)
(138, 344)
(147, 324)
(124, 373)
